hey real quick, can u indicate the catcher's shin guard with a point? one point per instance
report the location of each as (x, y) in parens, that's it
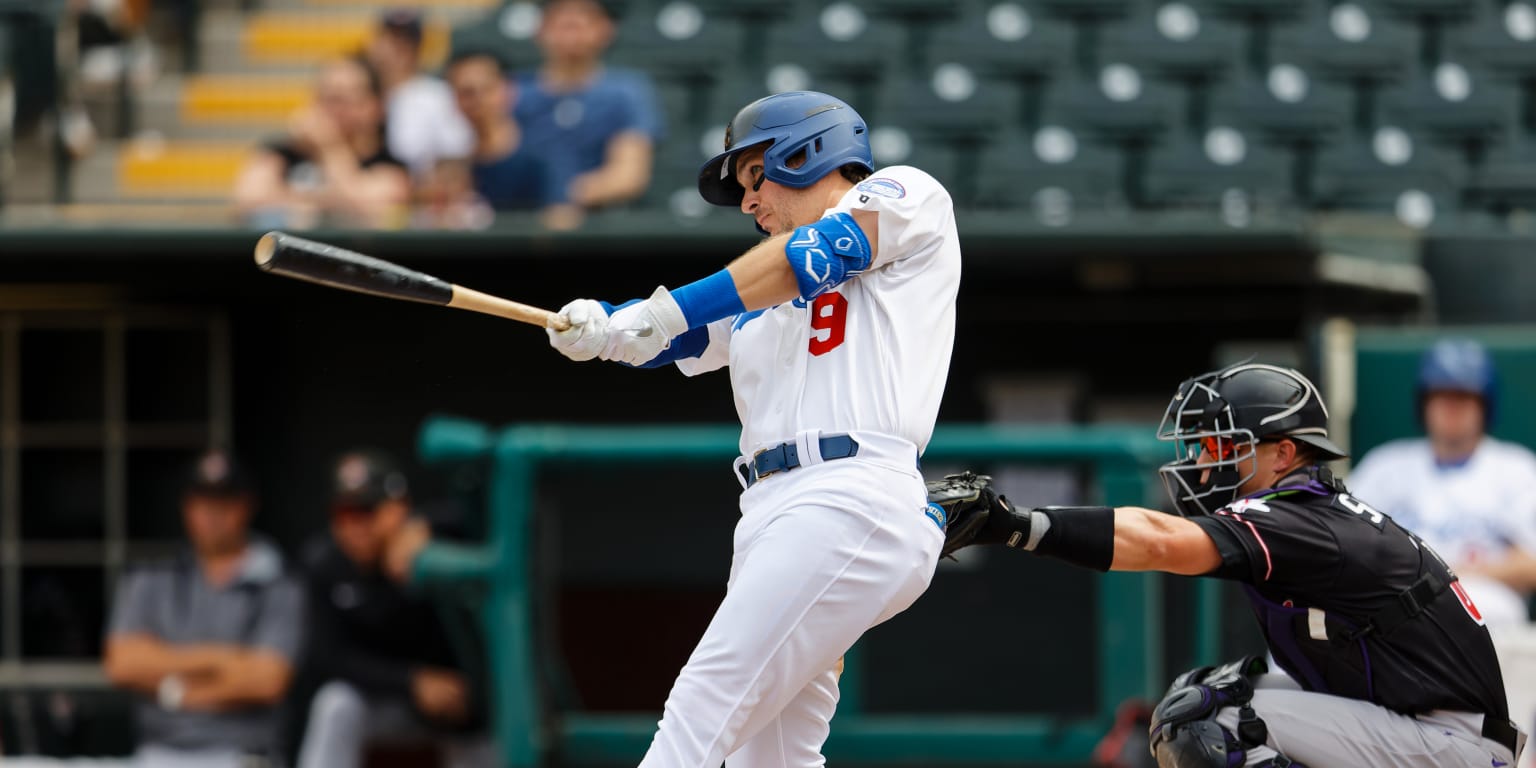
(1185, 733)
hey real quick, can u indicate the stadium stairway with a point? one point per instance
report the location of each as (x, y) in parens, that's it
(194, 130)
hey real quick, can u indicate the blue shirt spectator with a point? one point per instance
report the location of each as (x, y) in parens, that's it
(595, 127)
(572, 129)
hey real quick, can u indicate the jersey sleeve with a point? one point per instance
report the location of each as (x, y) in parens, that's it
(1273, 546)
(716, 353)
(914, 211)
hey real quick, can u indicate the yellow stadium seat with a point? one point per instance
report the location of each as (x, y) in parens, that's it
(179, 170)
(243, 99)
(307, 38)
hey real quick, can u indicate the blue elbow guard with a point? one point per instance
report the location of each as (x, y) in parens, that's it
(826, 254)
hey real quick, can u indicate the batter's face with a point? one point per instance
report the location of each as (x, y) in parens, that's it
(778, 209)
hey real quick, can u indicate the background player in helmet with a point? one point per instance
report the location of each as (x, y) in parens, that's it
(837, 331)
(1471, 496)
(1388, 662)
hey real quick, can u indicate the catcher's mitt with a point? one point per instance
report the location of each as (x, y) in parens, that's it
(967, 500)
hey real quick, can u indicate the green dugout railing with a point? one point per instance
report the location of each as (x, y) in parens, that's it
(1129, 606)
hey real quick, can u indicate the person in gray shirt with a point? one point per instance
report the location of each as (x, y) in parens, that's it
(208, 639)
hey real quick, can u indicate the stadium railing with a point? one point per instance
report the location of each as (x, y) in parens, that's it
(1129, 611)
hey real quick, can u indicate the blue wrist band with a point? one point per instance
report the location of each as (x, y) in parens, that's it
(713, 298)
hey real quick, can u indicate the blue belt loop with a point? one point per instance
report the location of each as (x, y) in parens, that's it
(785, 456)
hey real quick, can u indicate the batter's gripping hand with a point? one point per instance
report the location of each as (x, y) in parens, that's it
(641, 331)
(969, 504)
(587, 334)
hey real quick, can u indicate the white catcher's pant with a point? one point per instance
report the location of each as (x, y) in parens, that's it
(822, 553)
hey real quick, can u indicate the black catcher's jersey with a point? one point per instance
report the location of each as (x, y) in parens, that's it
(1320, 566)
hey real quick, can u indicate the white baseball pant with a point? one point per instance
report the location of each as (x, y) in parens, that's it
(822, 553)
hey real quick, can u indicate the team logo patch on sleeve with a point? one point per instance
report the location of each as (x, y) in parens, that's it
(883, 187)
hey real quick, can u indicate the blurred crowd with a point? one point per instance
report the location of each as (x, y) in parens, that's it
(241, 658)
(385, 144)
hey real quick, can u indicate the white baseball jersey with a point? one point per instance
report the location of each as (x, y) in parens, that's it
(1468, 513)
(870, 355)
(828, 550)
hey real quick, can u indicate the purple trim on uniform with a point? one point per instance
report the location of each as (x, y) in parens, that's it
(1283, 643)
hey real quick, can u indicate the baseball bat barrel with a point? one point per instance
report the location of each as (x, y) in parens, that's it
(316, 262)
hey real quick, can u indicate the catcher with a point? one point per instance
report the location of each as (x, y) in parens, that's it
(1386, 660)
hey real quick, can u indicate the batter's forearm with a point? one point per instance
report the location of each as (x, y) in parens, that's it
(763, 275)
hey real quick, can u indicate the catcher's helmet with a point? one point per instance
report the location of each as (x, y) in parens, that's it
(1226, 414)
(830, 133)
(1459, 365)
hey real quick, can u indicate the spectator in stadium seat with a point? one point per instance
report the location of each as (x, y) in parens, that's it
(1470, 496)
(595, 126)
(208, 640)
(379, 658)
(506, 175)
(333, 166)
(421, 125)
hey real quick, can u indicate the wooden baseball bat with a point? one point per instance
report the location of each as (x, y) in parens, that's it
(296, 257)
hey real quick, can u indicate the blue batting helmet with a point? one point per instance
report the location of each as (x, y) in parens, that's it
(825, 128)
(1459, 365)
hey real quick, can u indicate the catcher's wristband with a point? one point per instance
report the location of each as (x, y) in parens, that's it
(1083, 536)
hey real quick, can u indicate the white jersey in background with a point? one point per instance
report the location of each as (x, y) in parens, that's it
(1468, 513)
(424, 125)
(871, 355)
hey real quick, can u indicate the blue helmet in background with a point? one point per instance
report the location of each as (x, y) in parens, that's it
(1459, 365)
(825, 128)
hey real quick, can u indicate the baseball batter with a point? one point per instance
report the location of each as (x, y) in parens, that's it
(837, 331)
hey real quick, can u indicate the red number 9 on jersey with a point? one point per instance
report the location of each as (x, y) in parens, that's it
(829, 320)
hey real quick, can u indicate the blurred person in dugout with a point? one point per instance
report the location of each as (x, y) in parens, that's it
(333, 166)
(421, 125)
(1471, 497)
(501, 174)
(208, 640)
(596, 127)
(379, 658)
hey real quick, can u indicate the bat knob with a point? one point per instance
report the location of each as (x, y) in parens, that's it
(266, 249)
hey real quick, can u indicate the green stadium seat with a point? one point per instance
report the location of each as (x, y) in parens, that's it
(1223, 170)
(841, 39)
(1454, 105)
(1350, 41)
(1081, 11)
(896, 144)
(1257, 11)
(949, 101)
(1392, 172)
(1174, 40)
(1432, 11)
(1119, 104)
(1501, 37)
(1286, 105)
(1506, 179)
(1054, 174)
(507, 32)
(1003, 39)
(677, 40)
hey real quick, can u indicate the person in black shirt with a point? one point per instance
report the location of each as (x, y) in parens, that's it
(379, 655)
(1386, 660)
(333, 166)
